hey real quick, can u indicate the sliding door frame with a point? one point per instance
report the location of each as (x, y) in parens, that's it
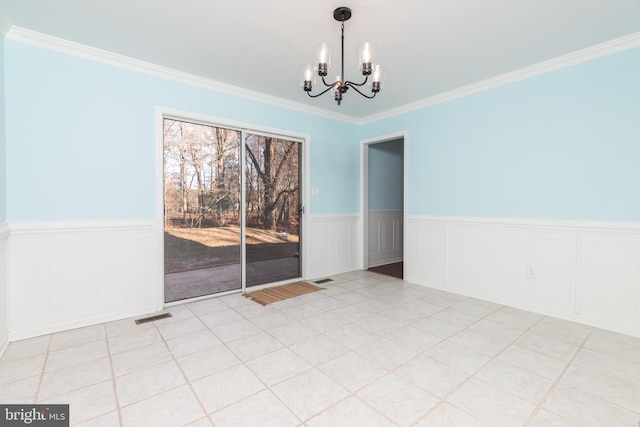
(301, 205)
(163, 113)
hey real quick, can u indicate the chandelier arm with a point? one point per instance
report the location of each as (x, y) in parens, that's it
(321, 93)
(327, 84)
(351, 85)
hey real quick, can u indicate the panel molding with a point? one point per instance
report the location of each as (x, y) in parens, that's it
(64, 275)
(334, 244)
(583, 271)
(385, 237)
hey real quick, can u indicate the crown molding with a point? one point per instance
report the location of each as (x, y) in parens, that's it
(44, 41)
(594, 52)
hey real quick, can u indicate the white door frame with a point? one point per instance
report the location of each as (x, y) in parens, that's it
(364, 191)
(244, 127)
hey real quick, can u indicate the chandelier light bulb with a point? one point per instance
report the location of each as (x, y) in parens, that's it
(323, 53)
(377, 78)
(308, 77)
(365, 57)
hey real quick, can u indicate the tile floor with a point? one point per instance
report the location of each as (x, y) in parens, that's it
(369, 350)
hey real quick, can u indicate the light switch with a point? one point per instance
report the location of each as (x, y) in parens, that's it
(315, 191)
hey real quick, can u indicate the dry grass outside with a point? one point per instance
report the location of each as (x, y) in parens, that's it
(229, 236)
(193, 248)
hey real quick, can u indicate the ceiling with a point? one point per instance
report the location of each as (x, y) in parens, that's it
(429, 46)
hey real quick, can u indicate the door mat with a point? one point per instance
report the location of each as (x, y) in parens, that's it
(280, 293)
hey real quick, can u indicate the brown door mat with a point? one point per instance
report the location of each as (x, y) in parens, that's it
(279, 293)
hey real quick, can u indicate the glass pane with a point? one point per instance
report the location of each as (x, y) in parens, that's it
(202, 236)
(272, 206)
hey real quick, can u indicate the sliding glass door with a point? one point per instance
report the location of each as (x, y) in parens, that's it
(202, 200)
(228, 223)
(273, 208)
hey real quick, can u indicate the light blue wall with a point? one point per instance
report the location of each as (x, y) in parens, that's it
(81, 140)
(563, 145)
(80, 143)
(3, 146)
(386, 176)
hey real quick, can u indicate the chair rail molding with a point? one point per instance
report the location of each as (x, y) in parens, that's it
(582, 271)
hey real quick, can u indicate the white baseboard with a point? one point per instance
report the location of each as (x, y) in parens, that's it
(588, 272)
(4, 344)
(80, 323)
(64, 275)
(4, 303)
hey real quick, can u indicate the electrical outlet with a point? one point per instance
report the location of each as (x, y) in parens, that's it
(531, 273)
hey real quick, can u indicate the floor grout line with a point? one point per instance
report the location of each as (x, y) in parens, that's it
(379, 293)
(557, 381)
(42, 373)
(113, 380)
(184, 375)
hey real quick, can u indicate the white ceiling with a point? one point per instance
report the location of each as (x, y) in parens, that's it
(429, 46)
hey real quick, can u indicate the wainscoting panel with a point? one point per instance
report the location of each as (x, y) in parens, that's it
(4, 304)
(587, 272)
(548, 271)
(334, 245)
(68, 275)
(485, 258)
(610, 277)
(426, 254)
(385, 237)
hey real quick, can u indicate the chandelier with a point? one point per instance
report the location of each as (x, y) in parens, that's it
(373, 73)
